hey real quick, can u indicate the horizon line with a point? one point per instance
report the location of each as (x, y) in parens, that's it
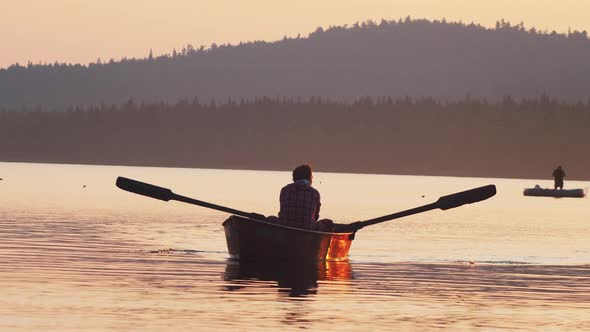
(407, 19)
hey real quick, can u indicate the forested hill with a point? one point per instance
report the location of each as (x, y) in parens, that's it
(445, 61)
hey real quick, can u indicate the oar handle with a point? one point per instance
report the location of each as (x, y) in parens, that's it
(165, 194)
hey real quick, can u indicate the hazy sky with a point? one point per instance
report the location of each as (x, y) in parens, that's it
(82, 31)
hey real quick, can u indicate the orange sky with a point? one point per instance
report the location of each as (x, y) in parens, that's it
(82, 31)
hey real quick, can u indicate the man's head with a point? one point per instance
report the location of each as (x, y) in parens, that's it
(302, 172)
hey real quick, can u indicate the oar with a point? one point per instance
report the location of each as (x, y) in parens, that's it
(443, 203)
(166, 194)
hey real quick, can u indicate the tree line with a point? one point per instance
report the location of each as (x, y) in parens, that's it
(523, 138)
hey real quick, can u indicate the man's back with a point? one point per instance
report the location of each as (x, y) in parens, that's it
(300, 205)
(559, 173)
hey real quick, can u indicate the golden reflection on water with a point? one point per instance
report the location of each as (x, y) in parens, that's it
(295, 279)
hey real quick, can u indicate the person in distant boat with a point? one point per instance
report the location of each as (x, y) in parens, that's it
(558, 175)
(300, 203)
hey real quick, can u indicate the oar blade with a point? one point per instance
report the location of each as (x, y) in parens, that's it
(144, 189)
(466, 197)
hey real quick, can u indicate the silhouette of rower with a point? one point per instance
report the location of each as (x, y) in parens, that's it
(558, 174)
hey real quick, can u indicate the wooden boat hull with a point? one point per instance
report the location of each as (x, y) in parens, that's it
(577, 193)
(249, 239)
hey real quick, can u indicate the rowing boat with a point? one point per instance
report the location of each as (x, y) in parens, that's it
(250, 237)
(253, 239)
(546, 192)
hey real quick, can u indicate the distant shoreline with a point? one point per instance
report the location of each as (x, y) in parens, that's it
(549, 180)
(524, 139)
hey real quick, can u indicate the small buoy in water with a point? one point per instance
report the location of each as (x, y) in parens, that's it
(471, 262)
(422, 196)
(84, 186)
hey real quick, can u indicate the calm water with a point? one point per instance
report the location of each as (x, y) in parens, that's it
(77, 253)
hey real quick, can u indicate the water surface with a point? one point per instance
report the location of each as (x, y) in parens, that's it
(79, 254)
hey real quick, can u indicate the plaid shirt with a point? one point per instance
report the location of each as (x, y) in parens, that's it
(300, 205)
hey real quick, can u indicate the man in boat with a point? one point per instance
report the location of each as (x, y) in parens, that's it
(300, 203)
(558, 174)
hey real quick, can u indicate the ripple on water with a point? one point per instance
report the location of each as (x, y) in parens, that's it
(153, 268)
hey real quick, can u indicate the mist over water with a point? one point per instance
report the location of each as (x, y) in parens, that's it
(79, 254)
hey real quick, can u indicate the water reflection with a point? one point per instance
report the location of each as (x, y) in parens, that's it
(293, 279)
